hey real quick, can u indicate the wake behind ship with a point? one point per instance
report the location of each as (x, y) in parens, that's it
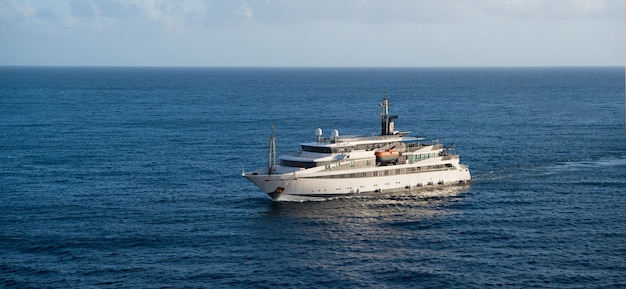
(344, 166)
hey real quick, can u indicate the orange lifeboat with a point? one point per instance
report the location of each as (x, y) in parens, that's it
(387, 156)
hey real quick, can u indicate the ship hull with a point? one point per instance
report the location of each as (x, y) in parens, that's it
(289, 187)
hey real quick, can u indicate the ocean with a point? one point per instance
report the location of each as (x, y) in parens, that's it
(119, 177)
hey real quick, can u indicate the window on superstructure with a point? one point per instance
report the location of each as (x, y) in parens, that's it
(342, 150)
(295, 164)
(360, 147)
(313, 149)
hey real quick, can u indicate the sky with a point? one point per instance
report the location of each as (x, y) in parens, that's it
(345, 33)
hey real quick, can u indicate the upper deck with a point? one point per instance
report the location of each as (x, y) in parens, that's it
(348, 144)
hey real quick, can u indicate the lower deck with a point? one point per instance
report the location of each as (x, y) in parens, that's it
(300, 197)
(293, 187)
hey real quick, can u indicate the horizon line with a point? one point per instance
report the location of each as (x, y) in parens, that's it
(312, 66)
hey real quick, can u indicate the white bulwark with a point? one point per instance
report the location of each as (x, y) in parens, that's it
(336, 167)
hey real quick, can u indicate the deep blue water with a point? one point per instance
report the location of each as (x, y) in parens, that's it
(130, 177)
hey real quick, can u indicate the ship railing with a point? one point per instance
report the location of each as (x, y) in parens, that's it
(450, 157)
(389, 172)
(347, 164)
(417, 146)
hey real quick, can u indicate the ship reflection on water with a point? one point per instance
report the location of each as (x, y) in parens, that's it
(413, 204)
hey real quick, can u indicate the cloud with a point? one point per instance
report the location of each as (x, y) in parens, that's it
(547, 10)
(312, 32)
(82, 9)
(245, 10)
(422, 11)
(13, 9)
(179, 15)
(167, 13)
(25, 8)
(172, 16)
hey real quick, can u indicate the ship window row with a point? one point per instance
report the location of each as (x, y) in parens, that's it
(294, 164)
(369, 147)
(358, 164)
(329, 165)
(327, 150)
(391, 172)
(421, 157)
(313, 149)
(351, 164)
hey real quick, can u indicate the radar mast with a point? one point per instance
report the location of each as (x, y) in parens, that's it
(387, 121)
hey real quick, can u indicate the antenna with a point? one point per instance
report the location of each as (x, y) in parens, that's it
(271, 159)
(384, 115)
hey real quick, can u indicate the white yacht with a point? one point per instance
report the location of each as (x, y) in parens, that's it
(343, 166)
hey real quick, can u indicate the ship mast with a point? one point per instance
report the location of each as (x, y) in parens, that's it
(271, 159)
(387, 121)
